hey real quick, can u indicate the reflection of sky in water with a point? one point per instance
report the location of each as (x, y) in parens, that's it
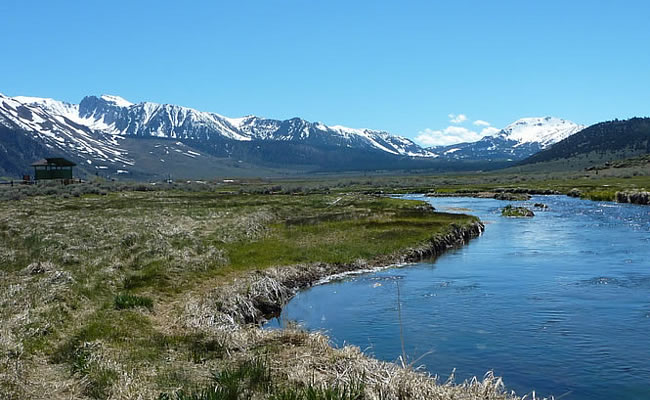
(556, 303)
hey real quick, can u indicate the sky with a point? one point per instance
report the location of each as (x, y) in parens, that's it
(438, 72)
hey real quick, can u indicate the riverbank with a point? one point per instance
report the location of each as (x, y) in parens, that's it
(137, 294)
(605, 193)
(307, 360)
(259, 295)
(508, 301)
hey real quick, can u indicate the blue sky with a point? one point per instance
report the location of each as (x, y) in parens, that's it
(402, 66)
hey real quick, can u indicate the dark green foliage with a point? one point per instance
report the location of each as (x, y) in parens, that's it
(210, 393)
(353, 391)
(291, 393)
(124, 301)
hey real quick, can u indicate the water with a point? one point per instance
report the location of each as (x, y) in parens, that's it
(559, 303)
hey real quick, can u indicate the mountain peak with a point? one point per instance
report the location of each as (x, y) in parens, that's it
(116, 100)
(543, 130)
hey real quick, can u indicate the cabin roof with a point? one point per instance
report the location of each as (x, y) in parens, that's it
(57, 161)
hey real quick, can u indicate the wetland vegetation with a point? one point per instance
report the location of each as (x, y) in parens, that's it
(140, 290)
(134, 294)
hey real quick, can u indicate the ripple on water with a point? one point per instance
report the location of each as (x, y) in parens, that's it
(601, 280)
(629, 282)
(386, 278)
(468, 288)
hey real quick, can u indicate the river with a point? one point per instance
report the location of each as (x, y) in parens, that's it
(558, 303)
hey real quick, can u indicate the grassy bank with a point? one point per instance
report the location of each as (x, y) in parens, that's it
(129, 294)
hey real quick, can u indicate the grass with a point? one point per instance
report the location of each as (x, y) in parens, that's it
(599, 195)
(82, 266)
(253, 379)
(340, 241)
(89, 270)
(125, 301)
(587, 174)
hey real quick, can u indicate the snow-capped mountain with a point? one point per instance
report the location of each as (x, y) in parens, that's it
(94, 132)
(119, 117)
(58, 126)
(516, 141)
(104, 134)
(543, 130)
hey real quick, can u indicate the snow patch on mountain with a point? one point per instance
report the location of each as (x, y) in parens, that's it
(55, 107)
(543, 130)
(516, 141)
(116, 100)
(57, 125)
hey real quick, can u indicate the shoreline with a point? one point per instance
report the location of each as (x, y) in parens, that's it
(308, 358)
(260, 295)
(638, 197)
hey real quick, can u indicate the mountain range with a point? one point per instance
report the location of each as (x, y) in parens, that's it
(109, 135)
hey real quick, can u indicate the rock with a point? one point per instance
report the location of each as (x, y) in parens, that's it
(540, 205)
(425, 208)
(633, 197)
(510, 211)
(39, 267)
(575, 192)
(512, 196)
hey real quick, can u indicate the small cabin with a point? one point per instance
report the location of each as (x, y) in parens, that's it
(53, 168)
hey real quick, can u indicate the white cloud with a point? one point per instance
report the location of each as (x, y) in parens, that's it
(447, 136)
(489, 131)
(456, 134)
(457, 119)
